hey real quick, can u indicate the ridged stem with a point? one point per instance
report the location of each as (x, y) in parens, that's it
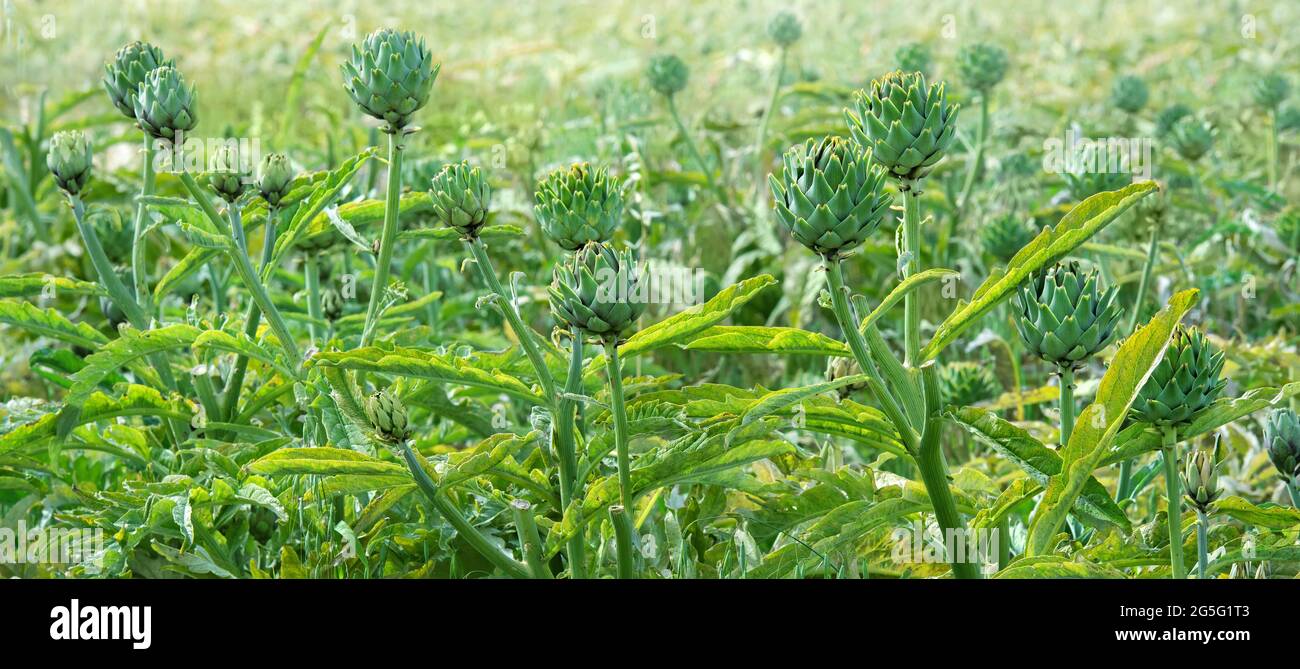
(140, 271)
(623, 529)
(618, 408)
(1173, 498)
(1067, 404)
(934, 473)
(566, 450)
(252, 319)
(387, 239)
(311, 280)
(530, 541)
(522, 332)
(1202, 543)
(912, 247)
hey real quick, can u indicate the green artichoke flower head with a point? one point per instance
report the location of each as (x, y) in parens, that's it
(390, 76)
(277, 175)
(830, 195)
(906, 123)
(116, 236)
(967, 383)
(838, 367)
(1005, 235)
(388, 416)
(785, 28)
(578, 205)
(461, 198)
(123, 76)
(667, 74)
(1271, 90)
(1170, 116)
(1066, 316)
(164, 106)
(1084, 184)
(70, 160)
(331, 304)
(1191, 138)
(1129, 94)
(1201, 478)
(913, 57)
(982, 65)
(227, 175)
(1282, 438)
(1185, 380)
(597, 291)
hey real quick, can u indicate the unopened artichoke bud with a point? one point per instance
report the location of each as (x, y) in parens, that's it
(1191, 138)
(123, 76)
(1066, 316)
(277, 174)
(982, 65)
(968, 383)
(388, 416)
(331, 304)
(1185, 381)
(1129, 94)
(913, 57)
(461, 198)
(164, 106)
(1084, 185)
(906, 123)
(579, 205)
(785, 28)
(226, 176)
(390, 76)
(830, 196)
(839, 367)
(1170, 116)
(70, 160)
(1282, 438)
(597, 291)
(667, 74)
(1200, 479)
(1271, 90)
(1005, 235)
(1154, 207)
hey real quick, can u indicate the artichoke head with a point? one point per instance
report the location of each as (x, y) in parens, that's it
(226, 174)
(579, 205)
(1005, 235)
(388, 416)
(390, 76)
(597, 291)
(70, 160)
(667, 74)
(1129, 94)
(785, 28)
(277, 175)
(123, 76)
(331, 304)
(830, 196)
(913, 57)
(968, 383)
(838, 367)
(1200, 478)
(1191, 138)
(906, 123)
(461, 198)
(1271, 90)
(1170, 116)
(982, 66)
(164, 106)
(1065, 316)
(1185, 380)
(1282, 438)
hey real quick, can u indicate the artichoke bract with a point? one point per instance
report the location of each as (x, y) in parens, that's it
(968, 383)
(840, 367)
(226, 175)
(830, 196)
(1005, 235)
(597, 291)
(70, 160)
(906, 123)
(1191, 138)
(1271, 90)
(785, 28)
(1185, 381)
(123, 76)
(390, 76)
(982, 66)
(579, 205)
(667, 74)
(277, 174)
(461, 198)
(164, 106)
(1129, 94)
(1065, 316)
(1282, 438)
(913, 57)
(1201, 479)
(388, 416)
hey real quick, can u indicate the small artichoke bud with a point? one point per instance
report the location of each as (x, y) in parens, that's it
(579, 205)
(331, 304)
(226, 175)
(839, 367)
(906, 123)
(1065, 316)
(1005, 235)
(968, 383)
(164, 106)
(461, 198)
(1271, 90)
(982, 66)
(1129, 94)
(785, 28)
(390, 76)
(667, 74)
(1282, 438)
(597, 291)
(277, 174)
(1084, 184)
(913, 57)
(1200, 480)
(1169, 117)
(830, 196)
(70, 160)
(1185, 380)
(388, 416)
(123, 76)
(1191, 138)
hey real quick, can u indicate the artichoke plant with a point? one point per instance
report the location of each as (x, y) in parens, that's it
(1065, 316)
(1129, 94)
(967, 383)
(388, 416)
(390, 76)
(982, 66)
(461, 198)
(578, 205)
(164, 106)
(123, 76)
(226, 174)
(1191, 138)
(70, 160)
(838, 368)
(785, 28)
(597, 291)
(906, 123)
(913, 57)
(667, 74)
(1170, 116)
(331, 304)
(1200, 479)
(830, 197)
(1282, 438)
(1005, 235)
(1271, 90)
(1185, 381)
(276, 176)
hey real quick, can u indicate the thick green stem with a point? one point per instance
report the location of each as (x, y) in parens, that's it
(252, 319)
(530, 541)
(912, 248)
(140, 271)
(527, 339)
(566, 450)
(623, 529)
(1067, 404)
(934, 473)
(387, 239)
(1173, 498)
(1202, 543)
(1125, 484)
(311, 279)
(618, 408)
